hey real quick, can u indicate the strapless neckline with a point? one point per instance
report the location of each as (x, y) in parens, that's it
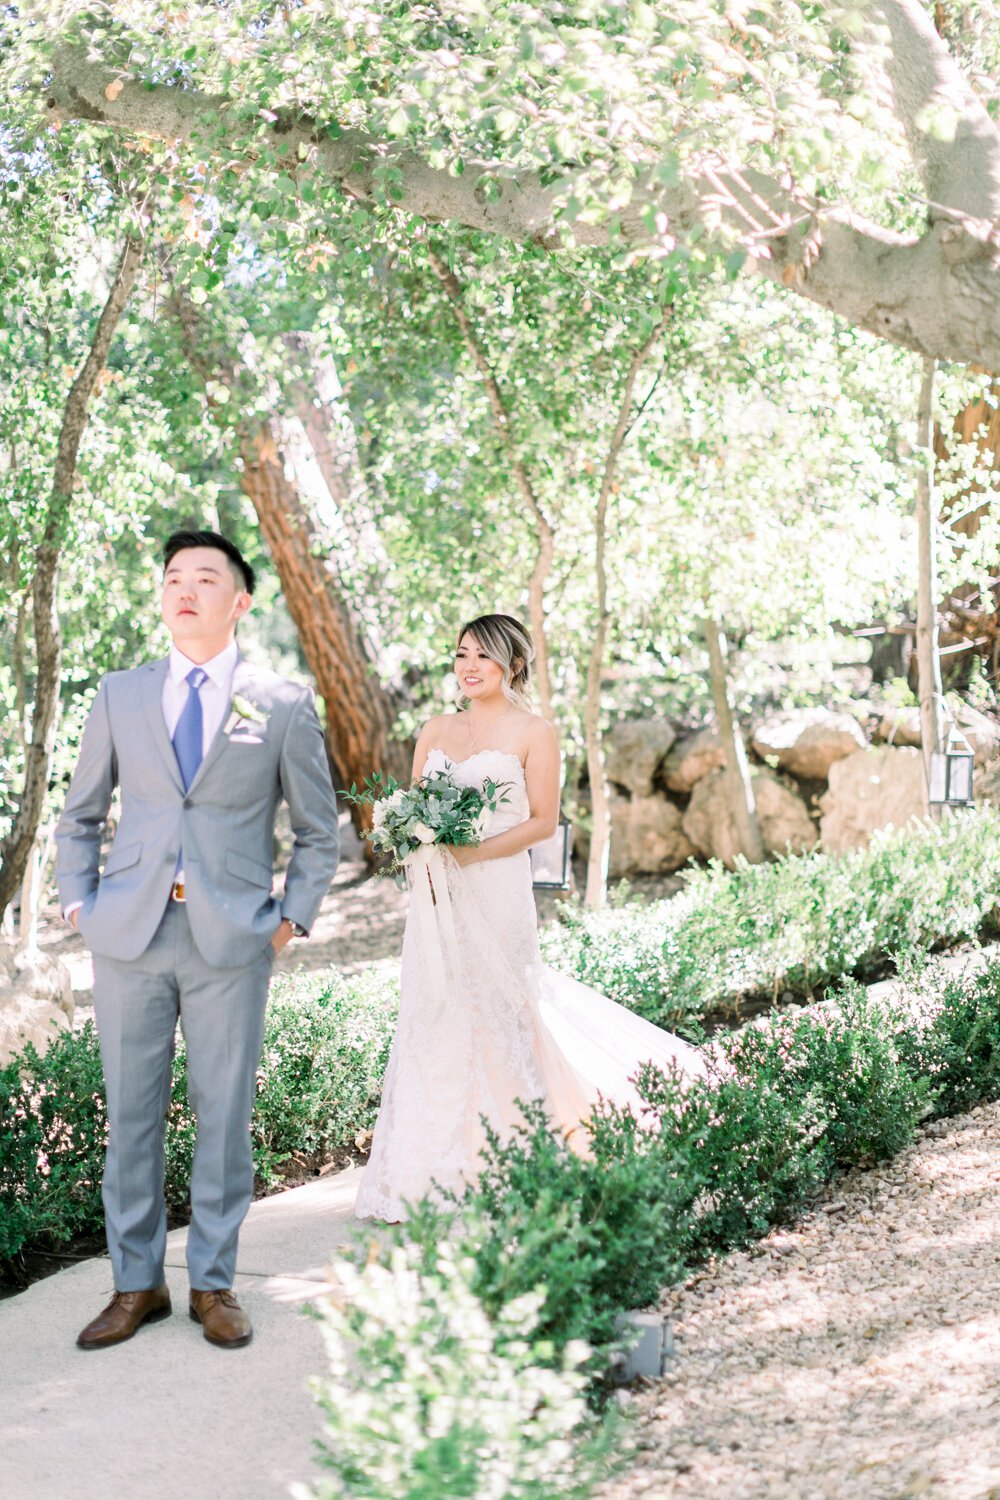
(504, 755)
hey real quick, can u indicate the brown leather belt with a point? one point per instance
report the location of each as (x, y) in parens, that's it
(177, 891)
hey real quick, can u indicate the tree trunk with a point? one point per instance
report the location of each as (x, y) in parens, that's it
(928, 662)
(545, 548)
(360, 713)
(32, 889)
(970, 614)
(600, 838)
(15, 850)
(739, 785)
(313, 390)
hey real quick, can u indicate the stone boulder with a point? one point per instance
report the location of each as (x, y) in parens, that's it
(878, 788)
(24, 1020)
(633, 751)
(36, 1002)
(982, 733)
(37, 976)
(692, 758)
(805, 742)
(783, 817)
(901, 726)
(986, 784)
(646, 837)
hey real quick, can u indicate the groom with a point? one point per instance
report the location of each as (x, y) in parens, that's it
(182, 923)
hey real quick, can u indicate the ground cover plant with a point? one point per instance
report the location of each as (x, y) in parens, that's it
(707, 1166)
(788, 928)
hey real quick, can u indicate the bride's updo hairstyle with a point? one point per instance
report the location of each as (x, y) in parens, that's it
(507, 642)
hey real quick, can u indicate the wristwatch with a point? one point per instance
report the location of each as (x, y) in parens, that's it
(298, 930)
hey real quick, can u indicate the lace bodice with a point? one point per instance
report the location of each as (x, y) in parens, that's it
(501, 766)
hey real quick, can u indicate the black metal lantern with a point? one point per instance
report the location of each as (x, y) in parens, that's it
(951, 771)
(551, 860)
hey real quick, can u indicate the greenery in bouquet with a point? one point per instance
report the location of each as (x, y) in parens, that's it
(434, 810)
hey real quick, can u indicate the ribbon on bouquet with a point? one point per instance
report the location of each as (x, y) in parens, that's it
(430, 905)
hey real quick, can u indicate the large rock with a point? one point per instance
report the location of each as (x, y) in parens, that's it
(646, 837)
(784, 819)
(987, 784)
(982, 732)
(633, 751)
(901, 726)
(692, 758)
(805, 742)
(25, 1020)
(37, 976)
(36, 1002)
(877, 788)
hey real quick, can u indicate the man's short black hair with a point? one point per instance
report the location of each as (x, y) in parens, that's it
(182, 541)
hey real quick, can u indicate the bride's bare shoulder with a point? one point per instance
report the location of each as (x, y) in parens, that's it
(538, 732)
(441, 725)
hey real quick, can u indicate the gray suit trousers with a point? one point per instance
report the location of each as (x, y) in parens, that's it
(221, 1011)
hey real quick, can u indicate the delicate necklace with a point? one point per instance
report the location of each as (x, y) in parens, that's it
(472, 739)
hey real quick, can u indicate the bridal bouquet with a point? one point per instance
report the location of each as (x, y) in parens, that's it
(435, 810)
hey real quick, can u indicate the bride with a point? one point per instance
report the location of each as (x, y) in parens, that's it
(482, 1022)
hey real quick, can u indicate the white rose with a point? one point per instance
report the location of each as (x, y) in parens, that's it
(483, 822)
(378, 813)
(423, 833)
(397, 797)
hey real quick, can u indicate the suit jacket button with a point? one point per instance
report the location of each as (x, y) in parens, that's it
(188, 802)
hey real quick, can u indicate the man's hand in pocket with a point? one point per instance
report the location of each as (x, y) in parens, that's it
(282, 937)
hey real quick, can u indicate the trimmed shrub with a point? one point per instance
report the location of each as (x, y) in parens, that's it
(790, 927)
(326, 1042)
(53, 1128)
(712, 1163)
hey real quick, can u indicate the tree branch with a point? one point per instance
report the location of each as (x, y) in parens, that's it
(16, 847)
(961, 171)
(937, 293)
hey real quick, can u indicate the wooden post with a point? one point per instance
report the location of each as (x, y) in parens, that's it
(739, 786)
(928, 661)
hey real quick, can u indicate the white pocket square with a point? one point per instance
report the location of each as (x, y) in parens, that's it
(246, 739)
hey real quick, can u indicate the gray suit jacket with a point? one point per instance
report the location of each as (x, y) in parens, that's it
(225, 819)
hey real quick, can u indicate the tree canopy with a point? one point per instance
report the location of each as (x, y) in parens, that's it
(847, 151)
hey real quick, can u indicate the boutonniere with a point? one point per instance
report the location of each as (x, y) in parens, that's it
(244, 712)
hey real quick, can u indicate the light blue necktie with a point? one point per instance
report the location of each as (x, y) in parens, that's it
(190, 732)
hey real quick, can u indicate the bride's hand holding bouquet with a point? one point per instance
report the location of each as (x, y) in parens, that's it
(435, 810)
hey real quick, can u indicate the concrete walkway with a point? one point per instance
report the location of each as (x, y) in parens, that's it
(167, 1416)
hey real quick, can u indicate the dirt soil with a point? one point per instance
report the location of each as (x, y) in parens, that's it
(853, 1357)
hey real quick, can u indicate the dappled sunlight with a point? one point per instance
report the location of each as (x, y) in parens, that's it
(857, 1354)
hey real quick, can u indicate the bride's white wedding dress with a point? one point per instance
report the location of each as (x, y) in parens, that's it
(483, 1022)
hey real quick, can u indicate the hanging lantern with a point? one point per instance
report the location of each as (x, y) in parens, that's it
(551, 861)
(951, 771)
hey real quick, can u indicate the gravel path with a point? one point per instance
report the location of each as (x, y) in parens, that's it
(855, 1355)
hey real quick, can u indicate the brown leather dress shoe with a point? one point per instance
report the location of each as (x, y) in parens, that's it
(123, 1316)
(222, 1318)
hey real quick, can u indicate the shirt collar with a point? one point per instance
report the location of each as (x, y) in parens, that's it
(220, 669)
